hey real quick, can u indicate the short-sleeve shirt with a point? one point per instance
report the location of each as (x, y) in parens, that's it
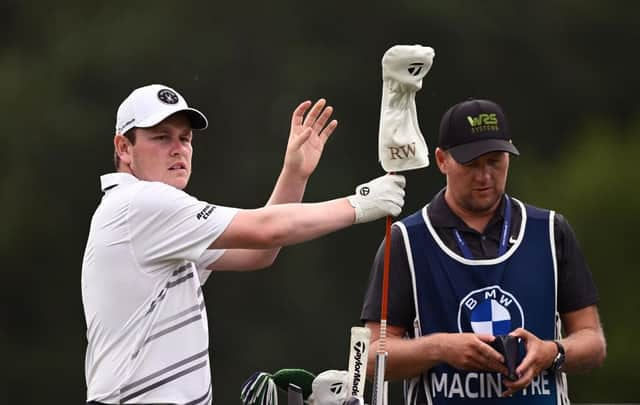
(576, 288)
(145, 259)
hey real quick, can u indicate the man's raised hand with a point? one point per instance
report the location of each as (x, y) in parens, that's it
(310, 130)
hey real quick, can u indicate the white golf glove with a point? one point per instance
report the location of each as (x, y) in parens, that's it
(379, 197)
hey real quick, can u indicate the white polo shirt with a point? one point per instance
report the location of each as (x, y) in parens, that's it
(144, 262)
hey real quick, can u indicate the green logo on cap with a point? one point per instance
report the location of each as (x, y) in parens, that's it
(483, 122)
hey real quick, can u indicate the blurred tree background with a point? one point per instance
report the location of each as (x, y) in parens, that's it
(565, 72)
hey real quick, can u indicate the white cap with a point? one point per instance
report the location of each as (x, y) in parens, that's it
(147, 106)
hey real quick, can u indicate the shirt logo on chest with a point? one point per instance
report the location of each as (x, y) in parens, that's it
(490, 310)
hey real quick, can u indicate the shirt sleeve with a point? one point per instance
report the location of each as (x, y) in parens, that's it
(400, 306)
(168, 224)
(576, 288)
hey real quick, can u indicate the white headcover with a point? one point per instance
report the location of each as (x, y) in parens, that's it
(401, 145)
(329, 388)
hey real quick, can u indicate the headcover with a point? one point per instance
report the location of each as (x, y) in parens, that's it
(261, 387)
(329, 388)
(401, 145)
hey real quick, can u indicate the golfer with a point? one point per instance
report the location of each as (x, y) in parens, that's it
(151, 246)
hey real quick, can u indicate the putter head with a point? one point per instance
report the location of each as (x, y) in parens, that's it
(508, 346)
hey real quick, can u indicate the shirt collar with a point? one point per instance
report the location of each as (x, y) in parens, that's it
(109, 181)
(441, 216)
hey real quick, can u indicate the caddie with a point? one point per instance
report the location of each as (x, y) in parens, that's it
(476, 263)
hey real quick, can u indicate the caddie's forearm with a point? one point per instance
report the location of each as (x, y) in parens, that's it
(584, 350)
(407, 357)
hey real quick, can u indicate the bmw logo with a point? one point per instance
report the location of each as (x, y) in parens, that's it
(490, 310)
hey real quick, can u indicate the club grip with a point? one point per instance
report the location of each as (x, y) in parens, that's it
(378, 380)
(358, 354)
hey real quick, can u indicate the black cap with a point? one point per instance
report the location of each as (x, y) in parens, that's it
(474, 127)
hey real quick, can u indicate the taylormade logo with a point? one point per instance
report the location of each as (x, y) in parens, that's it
(483, 123)
(358, 348)
(336, 388)
(414, 69)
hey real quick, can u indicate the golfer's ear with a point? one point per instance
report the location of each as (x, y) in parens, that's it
(123, 148)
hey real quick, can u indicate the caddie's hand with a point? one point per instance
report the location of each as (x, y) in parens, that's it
(471, 351)
(540, 355)
(307, 137)
(379, 197)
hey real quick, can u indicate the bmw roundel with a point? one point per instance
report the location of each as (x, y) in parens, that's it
(490, 310)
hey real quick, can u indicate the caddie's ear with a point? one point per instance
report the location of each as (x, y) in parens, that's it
(442, 160)
(122, 148)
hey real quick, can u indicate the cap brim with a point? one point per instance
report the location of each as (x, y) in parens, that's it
(469, 151)
(197, 119)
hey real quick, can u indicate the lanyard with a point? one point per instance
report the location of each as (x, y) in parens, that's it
(506, 224)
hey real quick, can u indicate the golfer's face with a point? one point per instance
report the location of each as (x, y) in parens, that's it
(478, 185)
(163, 152)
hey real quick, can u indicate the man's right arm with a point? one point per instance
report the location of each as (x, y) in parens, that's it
(288, 224)
(284, 224)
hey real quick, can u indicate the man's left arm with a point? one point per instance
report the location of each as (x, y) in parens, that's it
(584, 342)
(584, 346)
(307, 138)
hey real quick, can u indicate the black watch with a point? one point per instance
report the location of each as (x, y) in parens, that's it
(558, 361)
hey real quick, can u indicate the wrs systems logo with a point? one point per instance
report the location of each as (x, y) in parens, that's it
(483, 123)
(490, 310)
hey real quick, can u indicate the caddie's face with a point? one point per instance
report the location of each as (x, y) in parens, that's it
(477, 185)
(163, 152)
